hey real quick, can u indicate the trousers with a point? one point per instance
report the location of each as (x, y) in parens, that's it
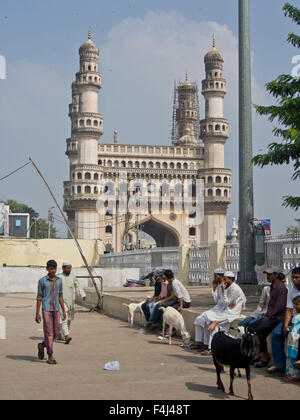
(51, 329)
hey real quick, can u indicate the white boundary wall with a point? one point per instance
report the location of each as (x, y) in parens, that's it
(25, 279)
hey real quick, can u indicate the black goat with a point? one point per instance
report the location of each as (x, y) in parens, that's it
(236, 353)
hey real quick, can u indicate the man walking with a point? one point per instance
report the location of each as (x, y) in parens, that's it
(71, 287)
(50, 296)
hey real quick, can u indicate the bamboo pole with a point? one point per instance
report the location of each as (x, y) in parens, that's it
(98, 307)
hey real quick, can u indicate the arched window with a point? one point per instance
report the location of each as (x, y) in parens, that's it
(172, 166)
(218, 193)
(96, 177)
(157, 165)
(87, 175)
(178, 166)
(185, 166)
(81, 123)
(225, 193)
(144, 164)
(218, 127)
(88, 122)
(150, 165)
(87, 189)
(192, 231)
(95, 190)
(130, 164)
(79, 190)
(165, 165)
(79, 175)
(218, 179)
(137, 164)
(123, 164)
(210, 193)
(109, 163)
(225, 180)
(95, 123)
(108, 229)
(210, 179)
(116, 163)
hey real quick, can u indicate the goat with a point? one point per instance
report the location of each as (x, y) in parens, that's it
(175, 320)
(132, 308)
(236, 353)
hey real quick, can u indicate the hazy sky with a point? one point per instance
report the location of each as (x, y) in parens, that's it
(144, 46)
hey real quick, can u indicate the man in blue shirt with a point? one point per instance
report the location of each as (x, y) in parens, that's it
(49, 296)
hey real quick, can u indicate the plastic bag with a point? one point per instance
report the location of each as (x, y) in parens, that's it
(112, 366)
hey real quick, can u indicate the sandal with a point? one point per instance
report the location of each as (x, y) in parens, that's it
(206, 353)
(52, 362)
(261, 364)
(292, 380)
(68, 340)
(41, 351)
(296, 365)
(195, 346)
(276, 369)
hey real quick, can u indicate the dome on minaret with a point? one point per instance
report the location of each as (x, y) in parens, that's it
(213, 55)
(188, 139)
(89, 46)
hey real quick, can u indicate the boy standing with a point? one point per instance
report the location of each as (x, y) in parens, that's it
(50, 296)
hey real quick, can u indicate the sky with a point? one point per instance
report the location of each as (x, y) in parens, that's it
(145, 45)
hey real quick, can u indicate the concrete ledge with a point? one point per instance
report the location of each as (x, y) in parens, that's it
(113, 300)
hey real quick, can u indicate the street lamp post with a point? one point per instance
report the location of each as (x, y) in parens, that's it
(247, 274)
(50, 216)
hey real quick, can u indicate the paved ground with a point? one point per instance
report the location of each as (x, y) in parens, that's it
(149, 369)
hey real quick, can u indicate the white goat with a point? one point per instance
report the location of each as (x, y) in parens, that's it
(132, 308)
(175, 320)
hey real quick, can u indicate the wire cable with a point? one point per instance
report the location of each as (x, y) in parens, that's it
(16, 170)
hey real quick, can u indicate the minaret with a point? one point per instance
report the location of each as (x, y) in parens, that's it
(81, 191)
(186, 114)
(214, 133)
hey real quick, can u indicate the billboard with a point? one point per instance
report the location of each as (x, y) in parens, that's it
(266, 224)
(4, 219)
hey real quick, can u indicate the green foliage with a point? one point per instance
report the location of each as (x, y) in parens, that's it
(292, 230)
(286, 89)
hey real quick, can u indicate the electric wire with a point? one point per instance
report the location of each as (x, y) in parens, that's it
(13, 172)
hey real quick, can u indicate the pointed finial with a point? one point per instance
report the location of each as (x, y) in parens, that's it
(214, 42)
(186, 76)
(89, 33)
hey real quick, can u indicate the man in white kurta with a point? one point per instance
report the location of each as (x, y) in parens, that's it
(71, 287)
(230, 301)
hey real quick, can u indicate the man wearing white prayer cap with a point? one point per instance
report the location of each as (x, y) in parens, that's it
(229, 304)
(71, 287)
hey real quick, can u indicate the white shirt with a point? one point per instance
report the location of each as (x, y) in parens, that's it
(291, 296)
(180, 291)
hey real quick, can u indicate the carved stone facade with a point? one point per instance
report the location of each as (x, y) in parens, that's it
(187, 160)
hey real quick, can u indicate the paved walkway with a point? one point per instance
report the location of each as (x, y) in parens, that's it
(149, 368)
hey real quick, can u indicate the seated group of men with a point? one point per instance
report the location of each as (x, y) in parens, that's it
(168, 291)
(278, 313)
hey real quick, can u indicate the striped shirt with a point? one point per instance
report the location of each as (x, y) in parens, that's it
(49, 292)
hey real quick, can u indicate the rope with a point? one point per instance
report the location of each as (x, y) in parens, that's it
(16, 170)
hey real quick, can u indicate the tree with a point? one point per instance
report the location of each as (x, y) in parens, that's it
(41, 230)
(286, 89)
(292, 230)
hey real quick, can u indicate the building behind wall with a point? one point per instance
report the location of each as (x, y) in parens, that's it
(185, 160)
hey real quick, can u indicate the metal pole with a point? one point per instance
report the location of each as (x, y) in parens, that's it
(247, 274)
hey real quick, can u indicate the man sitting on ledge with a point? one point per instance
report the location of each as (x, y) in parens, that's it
(230, 301)
(179, 298)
